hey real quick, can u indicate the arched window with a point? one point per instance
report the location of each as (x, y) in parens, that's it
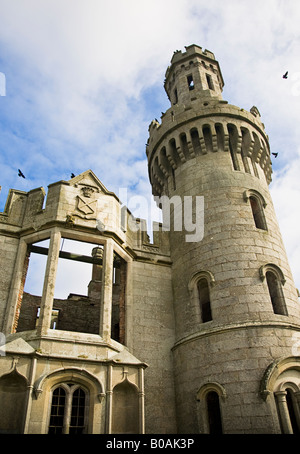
(213, 413)
(257, 203)
(276, 294)
(204, 300)
(199, 287)
(258, 214)
(275, 280)
(68, 410)
(210, 396)
(293, 410)
(282, 378)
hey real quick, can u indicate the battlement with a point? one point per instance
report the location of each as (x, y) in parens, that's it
(193, 74)
(191, 50)
(82, 203)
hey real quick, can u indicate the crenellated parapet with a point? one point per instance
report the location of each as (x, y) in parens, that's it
(81, 204)
(209, 127)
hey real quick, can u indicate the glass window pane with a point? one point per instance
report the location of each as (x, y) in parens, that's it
(57, 411)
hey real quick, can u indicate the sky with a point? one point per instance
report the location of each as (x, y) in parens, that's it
(84, 79)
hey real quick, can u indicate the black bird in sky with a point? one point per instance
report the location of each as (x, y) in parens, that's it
(285, 76)
(275, 154)
(21, 174)
(72, 175)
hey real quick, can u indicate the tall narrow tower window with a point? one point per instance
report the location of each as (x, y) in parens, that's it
(175, 96)
(276, 293)
(258, 214)
(209, 82)
(214, 413)
(190, 82)
(204, 300)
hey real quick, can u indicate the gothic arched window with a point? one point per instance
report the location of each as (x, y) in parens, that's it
(68, 410)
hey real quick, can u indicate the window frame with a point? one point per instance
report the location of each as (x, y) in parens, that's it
(194, 293)
(201, 397)
(70, 388)
(258, 212)
(279, 306)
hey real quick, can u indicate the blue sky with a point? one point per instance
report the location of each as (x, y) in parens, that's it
(84, 79)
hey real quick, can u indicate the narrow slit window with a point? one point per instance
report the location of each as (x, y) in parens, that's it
(258, 214)
(209, 82)
(54, 318)
(276, 293)
(190, 82)
(204, 300)
(214, 413)
(175, 96)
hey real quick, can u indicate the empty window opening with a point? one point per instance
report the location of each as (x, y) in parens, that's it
(204, 300)
(214, 413)
(54, 318)
(31, 288)
(68, 408)
(258, 214)
(78, 287)
(209, 82)
(276, 293)
(190, 81)
(175, 96)
(118, 299)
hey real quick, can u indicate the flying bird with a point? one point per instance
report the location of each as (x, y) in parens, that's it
(72, 175)
(285, 76)
(275, 154)
(21, 174)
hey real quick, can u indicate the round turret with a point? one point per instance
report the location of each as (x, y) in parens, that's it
(235, 302)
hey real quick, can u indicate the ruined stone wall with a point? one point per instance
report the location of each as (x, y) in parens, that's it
(153, 337)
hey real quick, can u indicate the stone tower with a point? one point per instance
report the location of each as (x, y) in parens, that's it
(237, 315)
